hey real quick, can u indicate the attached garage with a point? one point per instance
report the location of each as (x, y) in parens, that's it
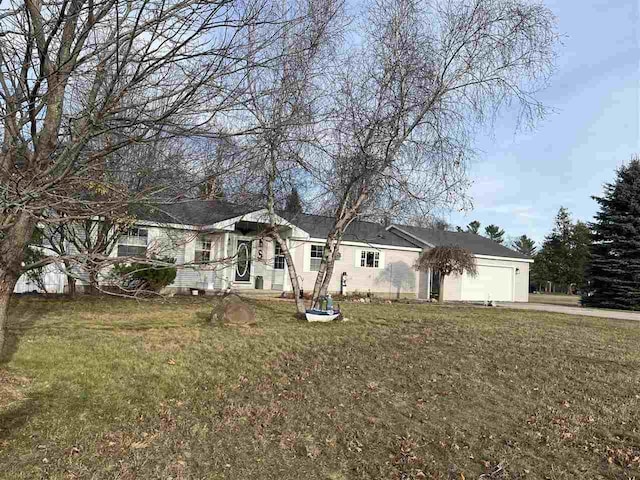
(503, 274)
(491, 283)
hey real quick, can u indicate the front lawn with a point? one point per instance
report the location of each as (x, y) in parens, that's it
(113, 388)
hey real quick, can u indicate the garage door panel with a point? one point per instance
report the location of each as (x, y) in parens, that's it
(491, 283)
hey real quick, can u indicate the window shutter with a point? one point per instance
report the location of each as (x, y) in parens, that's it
(190, 249)
(381, 259)
(357, 252)
(306, 263)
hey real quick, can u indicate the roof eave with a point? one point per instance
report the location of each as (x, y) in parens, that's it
(258, 216)
(418, 239)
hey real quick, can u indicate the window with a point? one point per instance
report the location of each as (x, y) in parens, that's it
(278, 257)
(316, 257)
(369, 259)
(203, 250)
(133, 243)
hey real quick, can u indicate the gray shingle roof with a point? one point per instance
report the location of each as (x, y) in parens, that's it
(208, 212)
(475, 243)
(191, 212)
(318, 226)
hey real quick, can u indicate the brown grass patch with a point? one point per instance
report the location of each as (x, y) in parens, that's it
(150, 390)
(12, 388)
(164, 339)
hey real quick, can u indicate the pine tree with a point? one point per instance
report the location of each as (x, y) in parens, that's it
(580, 253)
(564, 254)
(473, 227)
(524, 245)
(294, 204)
(613, 272)
(495, 233)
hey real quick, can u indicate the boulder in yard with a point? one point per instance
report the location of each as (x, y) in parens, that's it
(232, 309)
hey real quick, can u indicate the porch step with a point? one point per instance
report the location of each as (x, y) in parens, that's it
(252, 293)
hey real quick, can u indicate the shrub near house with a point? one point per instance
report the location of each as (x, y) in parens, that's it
(141, 277)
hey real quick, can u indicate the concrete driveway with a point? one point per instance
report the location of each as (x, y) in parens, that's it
(585, 312)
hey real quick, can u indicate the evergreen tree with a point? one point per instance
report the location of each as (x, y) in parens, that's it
(495, 233)
(524, 245)
(580, 253)
(473, 227)
(613, 272)
(564, 254)
(294, 204)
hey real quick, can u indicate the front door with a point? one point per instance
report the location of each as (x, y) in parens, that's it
(243, 261)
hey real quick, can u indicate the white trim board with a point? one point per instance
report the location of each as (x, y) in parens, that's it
(259, 216)
(410, 235)
(176, 226)
(350, 243)
(511, 259)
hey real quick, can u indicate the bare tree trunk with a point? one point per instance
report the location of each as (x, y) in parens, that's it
(12, 249)
(71, 286)
(325, 270)
(275, 234)
(300, 307)
(345, 216)
(324, 289)
(293, 276)
(331, 261)
(441, 289)
(93, 281)
(7, 283)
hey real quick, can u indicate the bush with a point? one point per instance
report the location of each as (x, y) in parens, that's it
(145, 277)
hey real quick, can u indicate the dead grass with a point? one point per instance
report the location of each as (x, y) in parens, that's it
(12, 388)
(555, 299)
(108, 388)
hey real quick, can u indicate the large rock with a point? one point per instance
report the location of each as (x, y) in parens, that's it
(232, 309)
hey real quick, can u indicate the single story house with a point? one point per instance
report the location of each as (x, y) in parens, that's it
(218, 246)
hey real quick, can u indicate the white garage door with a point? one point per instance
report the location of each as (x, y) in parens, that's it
(491, 283)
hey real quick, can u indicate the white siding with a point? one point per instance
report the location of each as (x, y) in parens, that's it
(54, 281)
(395, 272)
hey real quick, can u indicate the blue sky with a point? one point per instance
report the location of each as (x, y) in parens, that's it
(520, 180)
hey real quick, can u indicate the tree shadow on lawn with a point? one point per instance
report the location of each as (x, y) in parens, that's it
(16, 416)
(23, 314)
(15, 408)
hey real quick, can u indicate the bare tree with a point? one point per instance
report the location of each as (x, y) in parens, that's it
(422, 76)
(447, 260)
(429, 221)
(283, 104)
(81, 79)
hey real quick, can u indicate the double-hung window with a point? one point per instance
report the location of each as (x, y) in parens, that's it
(316, 257)
(203, 250)
(369, 259)
(133, 243)
(278, 257)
